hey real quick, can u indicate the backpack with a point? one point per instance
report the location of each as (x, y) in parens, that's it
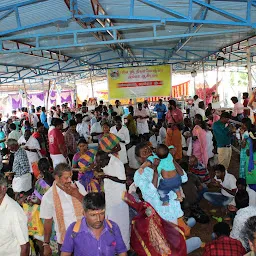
(76, 228)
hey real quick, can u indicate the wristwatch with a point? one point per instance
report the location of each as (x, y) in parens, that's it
(46, 243)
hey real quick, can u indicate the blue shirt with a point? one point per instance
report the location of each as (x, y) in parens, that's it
(222, 134)
(150, 194)
(161, 110)
(43, 119)
(84, 243)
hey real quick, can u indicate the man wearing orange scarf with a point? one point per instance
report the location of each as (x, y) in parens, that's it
(62, 203)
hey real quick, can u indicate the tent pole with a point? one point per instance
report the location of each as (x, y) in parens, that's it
(217, 80)
(204, 85)
(75, 96)
(91, 83)
(48, 95)
(249, 70)
(194, 85)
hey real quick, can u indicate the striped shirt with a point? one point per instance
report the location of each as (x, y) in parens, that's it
(201, 172)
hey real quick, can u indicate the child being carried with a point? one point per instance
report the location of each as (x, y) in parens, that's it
(169, 172)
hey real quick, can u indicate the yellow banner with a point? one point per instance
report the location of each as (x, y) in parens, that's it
(138, 82)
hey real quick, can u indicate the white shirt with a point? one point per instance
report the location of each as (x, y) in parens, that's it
(32, 143)
(133, 162)
(155, 140)
(93, 120)
(148, 112)
(114, 190)
(96, 128)
(14, 135)
(49, 120)
(124, 135)
(229, 183)
(162, 134)
(142, 113)
(242, 216)
(55, 115)
(116, 209)
(201, 112)
(65, 125)
(142, 124)
(13, 227)
(196, 102)
(118, 110)
(83, 130)
(252, 196)
(34, 119)
(210, 147)
(47, 209)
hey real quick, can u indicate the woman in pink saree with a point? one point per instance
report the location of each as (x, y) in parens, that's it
(200, 144)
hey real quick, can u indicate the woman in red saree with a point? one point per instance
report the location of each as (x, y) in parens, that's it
(151, 235)
(200, 144)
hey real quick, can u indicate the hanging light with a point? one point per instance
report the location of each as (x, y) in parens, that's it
(193, 73)
(220, 62)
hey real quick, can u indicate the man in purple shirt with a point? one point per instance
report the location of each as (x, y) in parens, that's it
(93, 235)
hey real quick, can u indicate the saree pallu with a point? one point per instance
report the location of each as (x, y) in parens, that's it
(151, 235)
(108, 142)
(173, 138)
(200, 145)
(250, 167)
(90, 183)
(243, 157)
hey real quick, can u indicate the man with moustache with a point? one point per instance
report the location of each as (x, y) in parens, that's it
(62, 203)
(93, 235)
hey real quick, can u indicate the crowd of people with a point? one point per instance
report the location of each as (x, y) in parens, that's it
(79, 182)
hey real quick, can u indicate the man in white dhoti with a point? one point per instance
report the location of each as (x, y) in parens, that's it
(114, 186)
(141, 115)
(31, 146)
(22, 180)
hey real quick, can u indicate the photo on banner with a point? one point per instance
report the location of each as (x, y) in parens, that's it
(134, 82)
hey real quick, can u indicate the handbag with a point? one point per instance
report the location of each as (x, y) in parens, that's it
(180, 126)
(199, 215)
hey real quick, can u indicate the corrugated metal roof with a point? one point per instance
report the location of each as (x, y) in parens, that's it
(143, 51)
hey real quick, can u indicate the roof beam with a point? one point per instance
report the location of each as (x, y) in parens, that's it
(220, 11)
(216, 22)
(36, 25)
(76, 13)
(18, 5)
(45, 54)
(240, 46)
(193, 28)
(98, 9)
(6, 14)
(83, 18)
(163, 8)
(75, 34)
